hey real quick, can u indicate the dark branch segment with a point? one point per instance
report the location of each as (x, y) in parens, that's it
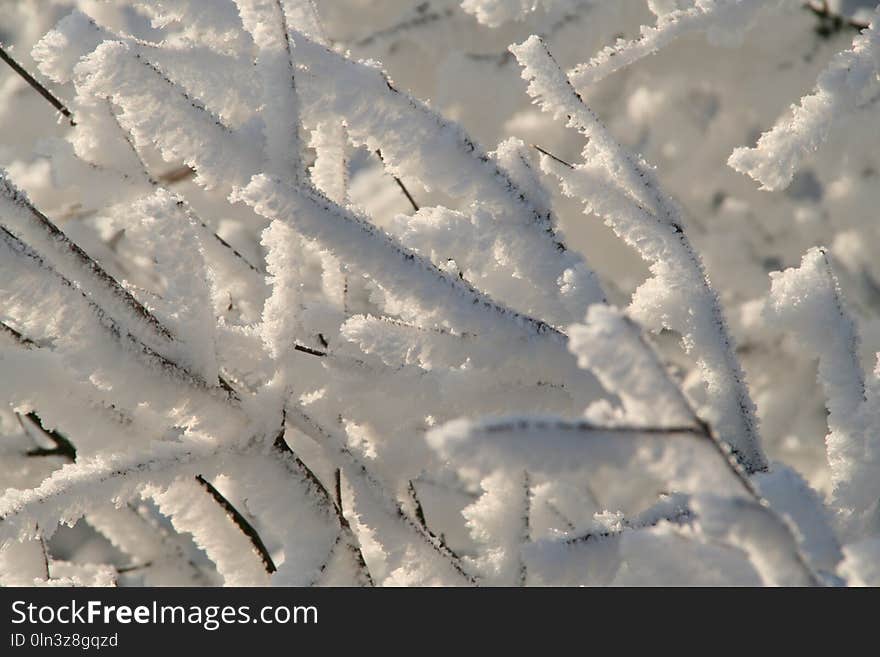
(241, 522)
(33, 82)
(63, 447)
(400, 184)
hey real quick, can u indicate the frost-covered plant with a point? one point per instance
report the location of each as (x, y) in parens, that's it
(341, 343)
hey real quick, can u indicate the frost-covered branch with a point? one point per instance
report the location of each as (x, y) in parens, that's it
(622, 190)
(722, 19)
(849, 81)
(807, 302)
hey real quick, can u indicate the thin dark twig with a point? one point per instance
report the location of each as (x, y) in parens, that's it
(527, 527)
(400, 184)
(337, 476)
(93, 269)
(45, 552)
(35, 84)
(406, 193)
(420, 512)
(87, 266)
(424, 15)
(423, 521)
(552, 156)
(288, 455)
(320, 434)
(309, 350)
(17, 336)
(241, 522)
(169, 178)
(572, 17)
(555, 510)
(121, 570)
(63, 446)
